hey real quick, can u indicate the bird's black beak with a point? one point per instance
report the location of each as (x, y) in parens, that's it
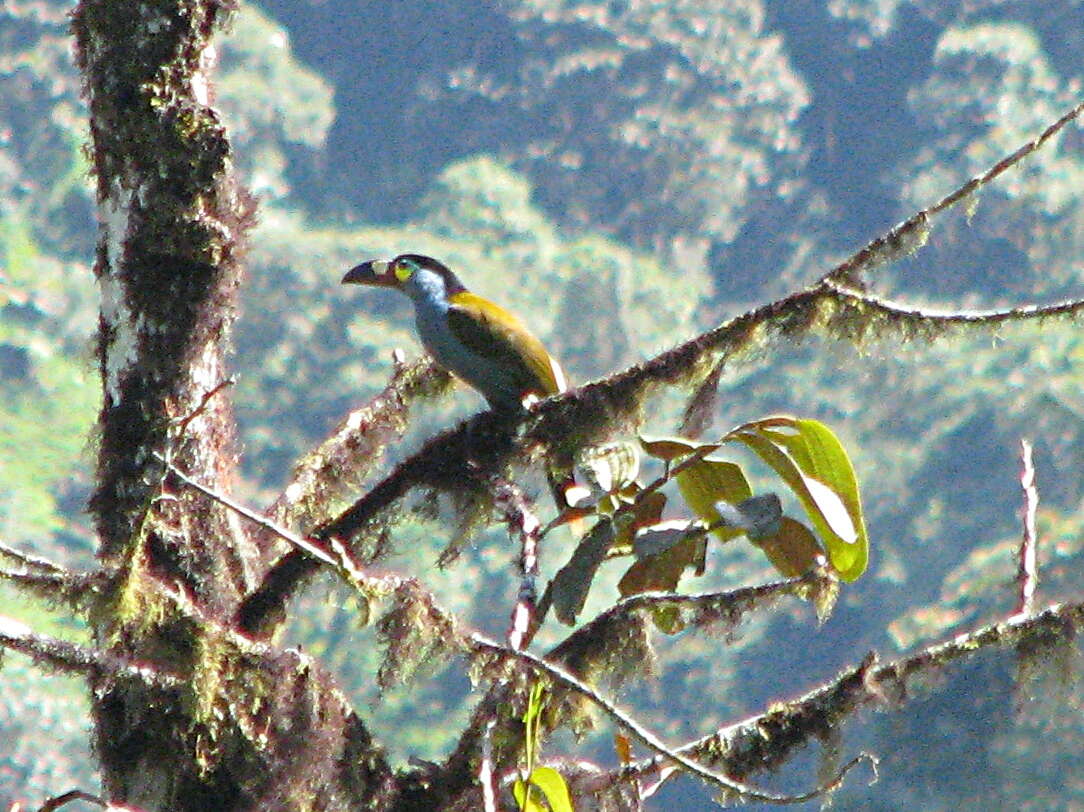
(374, 272)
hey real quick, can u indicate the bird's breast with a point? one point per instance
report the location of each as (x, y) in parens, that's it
(496, 384)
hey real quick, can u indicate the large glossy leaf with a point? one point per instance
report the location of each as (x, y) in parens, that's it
(811, 461)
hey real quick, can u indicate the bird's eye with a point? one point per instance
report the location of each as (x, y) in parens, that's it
(404, 269)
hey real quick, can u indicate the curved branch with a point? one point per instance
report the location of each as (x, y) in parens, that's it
(764, 741)
(917, 316)
(912, 232)
(562, 677)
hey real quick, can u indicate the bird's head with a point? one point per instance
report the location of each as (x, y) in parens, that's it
(416, 275)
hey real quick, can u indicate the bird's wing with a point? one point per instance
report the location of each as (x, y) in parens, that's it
(492, 332)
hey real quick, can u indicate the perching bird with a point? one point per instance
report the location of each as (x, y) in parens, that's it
(471, 337)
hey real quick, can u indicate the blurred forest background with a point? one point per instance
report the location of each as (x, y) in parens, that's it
(623, 174)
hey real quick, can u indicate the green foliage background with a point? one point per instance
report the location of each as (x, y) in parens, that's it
(623, 174)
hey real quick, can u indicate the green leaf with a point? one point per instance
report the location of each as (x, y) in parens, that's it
(669, 449)
(530, 723)
(708, 481)
(812, 461)
(553, 786)
(524, 794)
(793, 549)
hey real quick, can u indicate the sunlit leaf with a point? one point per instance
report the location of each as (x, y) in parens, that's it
(669, 449)
(553, 786)
(811, 461)
(793, 549)
(708, 482)
(525, 795)
(832, 508)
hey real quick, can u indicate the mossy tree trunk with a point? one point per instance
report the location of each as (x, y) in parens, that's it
(228, 723)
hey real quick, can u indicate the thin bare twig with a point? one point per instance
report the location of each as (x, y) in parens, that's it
(560, 676)
(899, 310)
(336, 555)
(911, 232)
(295, 540)
(1027, 574)
(183, 423)
(71, 795)
(31, 561)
